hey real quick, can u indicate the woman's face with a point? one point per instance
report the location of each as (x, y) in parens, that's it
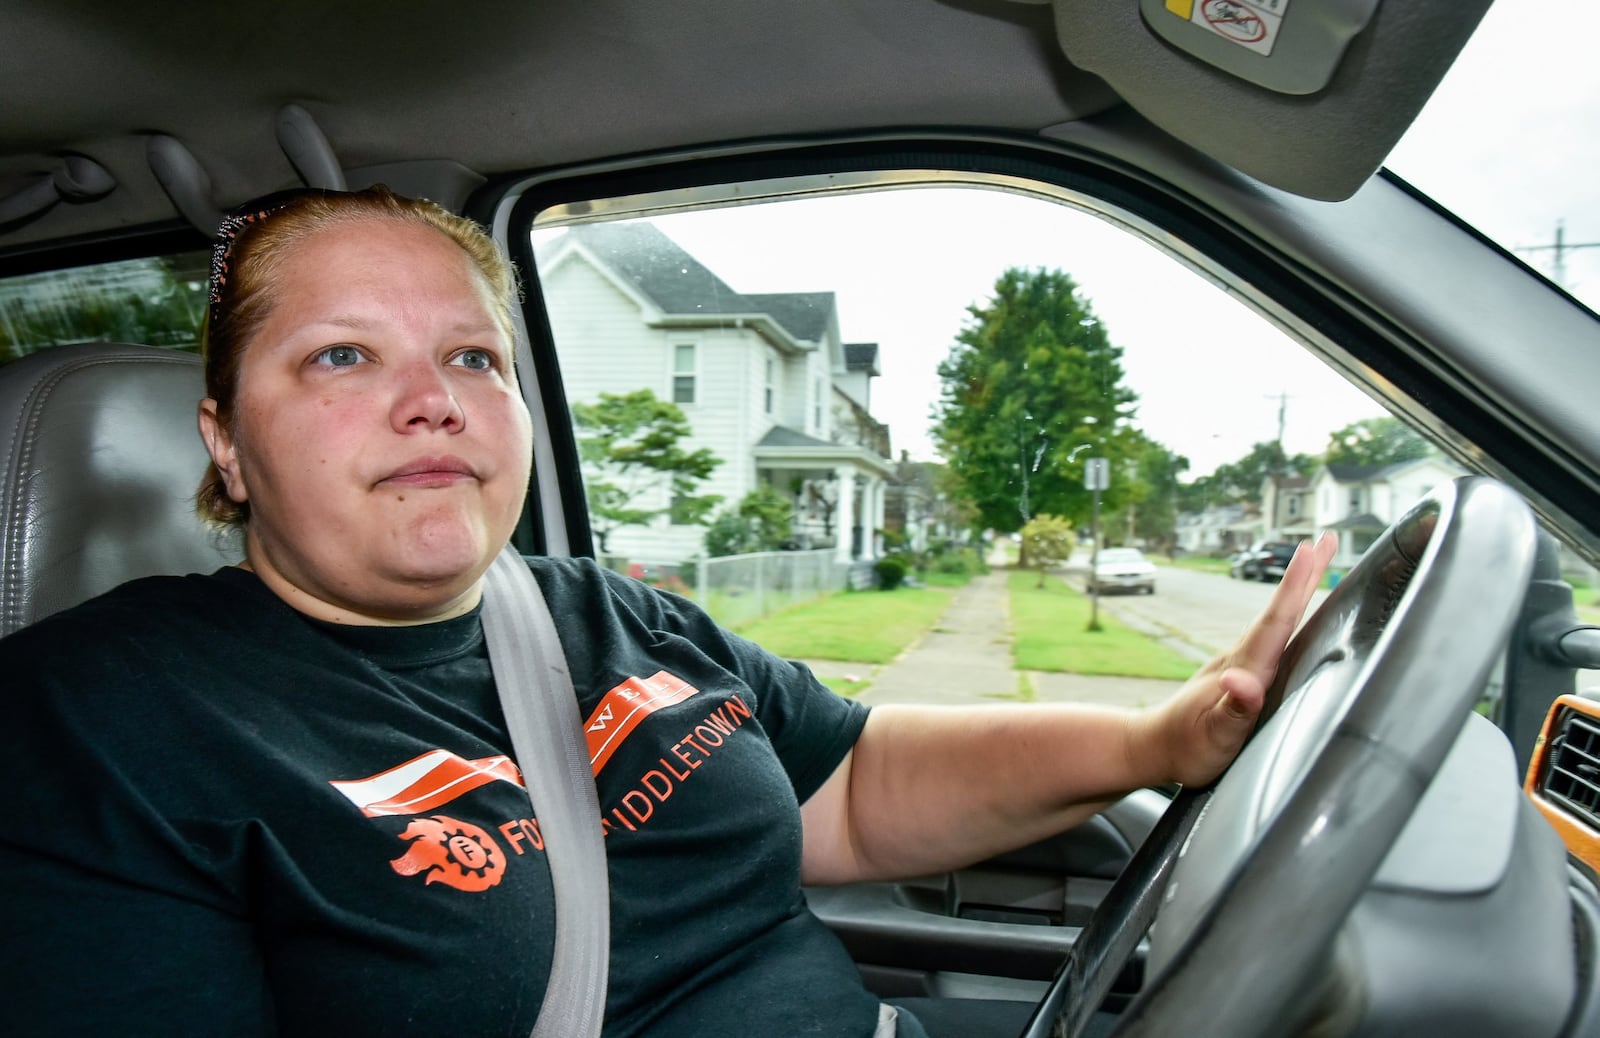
(378, 432)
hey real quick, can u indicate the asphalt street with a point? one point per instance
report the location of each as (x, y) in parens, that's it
(1204, 611)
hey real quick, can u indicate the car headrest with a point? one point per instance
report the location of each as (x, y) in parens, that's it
(99, 461)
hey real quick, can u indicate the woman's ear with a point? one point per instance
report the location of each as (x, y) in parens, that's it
(218, 438)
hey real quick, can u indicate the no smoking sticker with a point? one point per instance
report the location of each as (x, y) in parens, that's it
(1252, 24)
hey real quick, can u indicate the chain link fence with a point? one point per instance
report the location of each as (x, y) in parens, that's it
(738, 589)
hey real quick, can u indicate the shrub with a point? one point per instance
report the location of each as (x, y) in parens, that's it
(1047, 542)
(891, 571)
(761, 522)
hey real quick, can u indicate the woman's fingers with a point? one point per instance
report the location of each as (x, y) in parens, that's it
(1262, 644)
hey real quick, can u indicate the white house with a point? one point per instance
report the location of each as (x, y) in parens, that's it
(765, 380)
(1216, 530)
(1359, 502)
(1286, 508)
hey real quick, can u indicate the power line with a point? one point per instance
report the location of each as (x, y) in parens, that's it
(1558, 265)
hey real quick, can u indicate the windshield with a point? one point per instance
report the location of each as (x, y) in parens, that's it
(1507, 140)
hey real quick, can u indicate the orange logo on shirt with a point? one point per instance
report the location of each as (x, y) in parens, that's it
(624, 707)
(457, 854)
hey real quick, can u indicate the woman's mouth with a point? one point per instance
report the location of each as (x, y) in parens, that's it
(422, 473)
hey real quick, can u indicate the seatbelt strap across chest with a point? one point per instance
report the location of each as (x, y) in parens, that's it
(535, 686)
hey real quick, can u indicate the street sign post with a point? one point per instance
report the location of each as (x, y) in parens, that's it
(1096, 477)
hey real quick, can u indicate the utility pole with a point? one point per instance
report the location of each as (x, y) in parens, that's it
(1283, 412)
(1560, 247)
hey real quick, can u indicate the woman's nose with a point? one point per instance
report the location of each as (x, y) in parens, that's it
(425, 400)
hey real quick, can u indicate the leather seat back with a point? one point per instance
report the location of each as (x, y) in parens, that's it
(101, 459)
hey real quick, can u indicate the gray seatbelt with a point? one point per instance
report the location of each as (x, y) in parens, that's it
(541, 711)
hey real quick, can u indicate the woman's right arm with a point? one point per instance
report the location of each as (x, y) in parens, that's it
(88, 954)
(85, 953)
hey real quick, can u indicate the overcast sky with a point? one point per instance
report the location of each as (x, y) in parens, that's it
(1510, 138)
(1509, 141)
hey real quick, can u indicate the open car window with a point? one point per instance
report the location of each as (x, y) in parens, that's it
(843, 377)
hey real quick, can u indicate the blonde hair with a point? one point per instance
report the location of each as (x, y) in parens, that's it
(245, 268)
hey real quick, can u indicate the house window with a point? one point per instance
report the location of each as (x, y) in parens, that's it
(1294, 507)
(683, 376)
(769, 389)
(1355, 500)
(816, 406)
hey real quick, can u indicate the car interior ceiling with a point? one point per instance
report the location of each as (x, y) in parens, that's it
(544, 72)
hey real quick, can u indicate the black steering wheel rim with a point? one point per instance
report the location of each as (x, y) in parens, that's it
(1407, 640)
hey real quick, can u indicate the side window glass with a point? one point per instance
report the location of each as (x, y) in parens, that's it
(941, 388)
(159, 301)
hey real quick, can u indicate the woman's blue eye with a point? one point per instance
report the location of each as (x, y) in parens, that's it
(477, 360)
(340, 356)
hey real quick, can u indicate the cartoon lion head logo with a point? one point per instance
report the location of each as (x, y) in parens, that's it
(457, 854)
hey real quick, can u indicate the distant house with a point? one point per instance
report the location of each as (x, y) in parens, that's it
(917, 507)
(1359, 502)
(1286, 508)
(1217, 530)
(766, 381)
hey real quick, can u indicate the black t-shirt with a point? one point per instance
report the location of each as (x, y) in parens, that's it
(226, 818)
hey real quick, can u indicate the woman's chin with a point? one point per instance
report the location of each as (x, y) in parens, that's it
(443, 568)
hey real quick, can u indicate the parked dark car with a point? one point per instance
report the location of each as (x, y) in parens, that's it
(1262, 562)
(1273, 560)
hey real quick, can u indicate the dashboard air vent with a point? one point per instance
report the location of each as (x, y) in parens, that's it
(1573, 775)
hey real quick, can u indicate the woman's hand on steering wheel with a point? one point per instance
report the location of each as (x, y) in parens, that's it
(1203, 727)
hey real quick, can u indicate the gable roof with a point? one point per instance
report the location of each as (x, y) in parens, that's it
(804, 315)
(861, 356)
(670, 277)
(660, 268)
(1354, 473)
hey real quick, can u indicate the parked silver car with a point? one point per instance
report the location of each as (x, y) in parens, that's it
(1124, 569)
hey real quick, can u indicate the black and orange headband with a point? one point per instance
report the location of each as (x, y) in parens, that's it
(235, 223)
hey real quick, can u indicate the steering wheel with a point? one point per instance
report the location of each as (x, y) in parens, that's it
(1264, 868)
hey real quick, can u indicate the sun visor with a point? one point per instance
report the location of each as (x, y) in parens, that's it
(1305, 95)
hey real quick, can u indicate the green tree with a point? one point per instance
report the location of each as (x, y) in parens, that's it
(1150, 513)
(763, 521)
(1031, 389)
(1375, 441)
(631, 449)
(1047, 542)
(1241, 480)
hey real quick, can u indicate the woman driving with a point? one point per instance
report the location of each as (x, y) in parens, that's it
(278, 798)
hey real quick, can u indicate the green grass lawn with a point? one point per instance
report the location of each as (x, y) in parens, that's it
(933, 579)
(1050, 628)
(858, 626)
(1201, 563)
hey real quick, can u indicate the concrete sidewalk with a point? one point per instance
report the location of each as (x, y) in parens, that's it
(966, 658)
